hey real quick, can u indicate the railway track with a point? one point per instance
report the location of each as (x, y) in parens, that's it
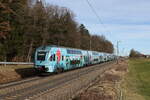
(7, 85)
(26, 89)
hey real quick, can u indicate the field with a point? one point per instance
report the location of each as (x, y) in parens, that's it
(136, 85)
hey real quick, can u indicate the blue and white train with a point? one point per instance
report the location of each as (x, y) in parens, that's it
(58, 59)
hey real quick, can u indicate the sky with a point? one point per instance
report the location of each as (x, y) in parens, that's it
(126, 21)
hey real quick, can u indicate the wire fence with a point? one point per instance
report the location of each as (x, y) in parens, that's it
(16, 63)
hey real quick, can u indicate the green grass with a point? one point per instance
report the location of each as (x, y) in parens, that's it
(139, 77)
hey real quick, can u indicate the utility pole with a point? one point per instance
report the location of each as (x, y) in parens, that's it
(118, 52)
(90, 42)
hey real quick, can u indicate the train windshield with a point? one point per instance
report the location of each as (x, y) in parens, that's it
(41, 55)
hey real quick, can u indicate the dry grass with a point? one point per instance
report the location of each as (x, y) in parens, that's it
(105, 88)
(15, 72)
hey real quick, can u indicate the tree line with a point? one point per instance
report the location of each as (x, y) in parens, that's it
(28, 24)
(136, 54)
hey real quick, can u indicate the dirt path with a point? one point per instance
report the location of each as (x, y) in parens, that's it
(107, 85)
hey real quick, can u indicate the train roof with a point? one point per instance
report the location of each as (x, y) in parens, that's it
(44, 46)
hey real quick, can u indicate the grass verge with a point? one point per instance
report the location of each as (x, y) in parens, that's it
(136, 85)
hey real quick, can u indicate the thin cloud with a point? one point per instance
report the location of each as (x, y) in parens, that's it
(128, 20)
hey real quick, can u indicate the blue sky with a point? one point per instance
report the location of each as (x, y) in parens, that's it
(128, 21)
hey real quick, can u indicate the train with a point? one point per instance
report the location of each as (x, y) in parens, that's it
(54, 58)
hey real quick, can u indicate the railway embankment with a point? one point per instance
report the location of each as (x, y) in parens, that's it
(108, 85)
(11, 73)
(98, 82)
(103, 83)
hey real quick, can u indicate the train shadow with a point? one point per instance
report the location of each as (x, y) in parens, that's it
(31, 72)
(27, 72)
(44, 74)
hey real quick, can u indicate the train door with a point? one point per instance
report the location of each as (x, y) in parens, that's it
(63, 60)
(88, 58)
(100, 58)
(81, 60)
(67, 62)
(53, 58)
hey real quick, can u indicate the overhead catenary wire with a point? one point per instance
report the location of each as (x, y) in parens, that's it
(96, 14)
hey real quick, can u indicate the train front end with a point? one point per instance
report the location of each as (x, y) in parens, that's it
(42, 61)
